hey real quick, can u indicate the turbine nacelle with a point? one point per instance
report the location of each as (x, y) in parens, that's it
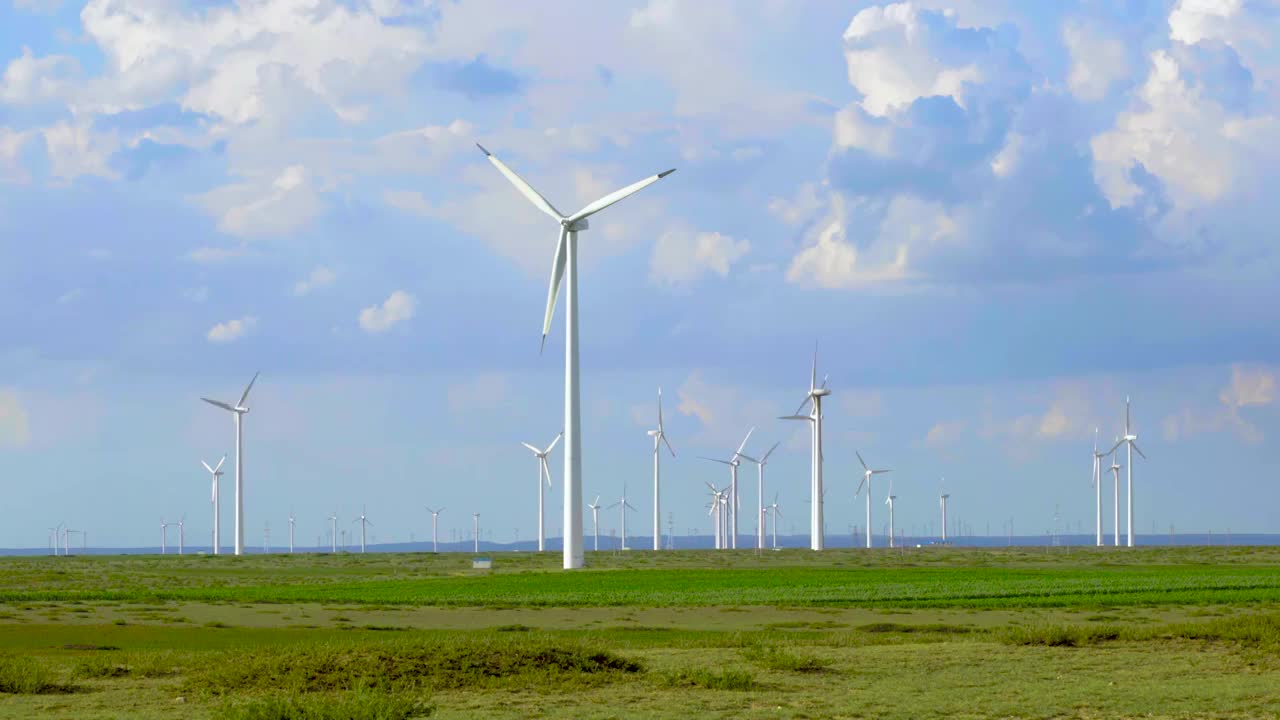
(575, 225)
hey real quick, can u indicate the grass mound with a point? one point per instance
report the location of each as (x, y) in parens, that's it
(711, 680)
(360, 705)
(776, 658)
(23, 676)
(508, 659)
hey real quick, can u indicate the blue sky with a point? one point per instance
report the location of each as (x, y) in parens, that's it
(997, 218)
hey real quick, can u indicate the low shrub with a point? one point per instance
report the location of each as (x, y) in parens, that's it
(359, 705)
(24, 676)
(776, 658)
(99, 667)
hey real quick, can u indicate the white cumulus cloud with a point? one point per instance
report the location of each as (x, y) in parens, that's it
(231, 330)
(321, 277)
(398, 307)
(681, 256)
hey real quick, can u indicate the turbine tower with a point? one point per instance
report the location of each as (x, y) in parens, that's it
(942, 501)
(595, 523)
(475, 530)
(733, 501)
(1115, 488)
(435, 517)
(1097, 487)
(867, 474)
(544, 472)
(659, 437)
(625, 506)
(291, 524)
(238, 410)
(182, 535)
(1130, 440)
(216, 472)
(889, 501)
(775, 511)
(334, 538)
(764, 460)
(164, 537)
(564, 265)
(814, 400)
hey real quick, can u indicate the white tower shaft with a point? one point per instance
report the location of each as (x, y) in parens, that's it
(1129, 473)
(239, 548)
(657, 508)
(573, 558)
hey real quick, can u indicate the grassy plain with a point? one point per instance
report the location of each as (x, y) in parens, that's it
(937, 632)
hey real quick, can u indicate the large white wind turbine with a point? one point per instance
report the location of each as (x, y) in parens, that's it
(814, 400)
(942, 501)
(764, 460)
(889, 501)
(717, 514)
(775, 512)
(733, 500)
(216, 472)
(364, 522)
(334, 539)
(435, 518)
(544, 474)
(564, 265)
(182, 535)
(867, 474)
(624, 507)
(659, 437)
(291, 524)
(475, 530)
(1130, 440)
(1115, 491)
(595, 523)
(164, 537)
(238, 410)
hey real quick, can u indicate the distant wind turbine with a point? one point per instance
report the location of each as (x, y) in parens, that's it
(595, 523)
(291, 524)
(625, 506)
(182, 535)
(775, 511)
(565, 265)
(238, 410)
(942, 501)
(659, 436)
(544, 474)
(889, 501)
(764, 460)
(216, 472)
(364, 522)
(817, 540)
(867, 474)
(733, 500)
(334, 539)
(475, 525)
(1097, 487)
(164, 537)
(1115, 487)
(435, 538)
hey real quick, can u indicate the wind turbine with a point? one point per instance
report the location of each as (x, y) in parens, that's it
(734, 502)
(364, 522)
(775, 511)
(182, 535)
(475, 525)
(291, 523)
(164, 537)
(595, 523)
(659, 437)
(565, 265)
(56, 534)
(435, 517)
(238, 410)
(215, 472)
(334, 539)
(764, 460)
(867, 473)
(942, 501)
(716, 513)
(622, 503)
(889, 501)
(544, 471)
(1097, 487)
(1115, 485)
(266, 537)
(1130, 440)
(814, 400)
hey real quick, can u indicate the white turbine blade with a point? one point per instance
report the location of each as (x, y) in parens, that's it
(615, 196)
(525, 188)
(554, 442)
(532, 449)
(856, 493)
(247, 388)
(722, 462)
(864, 462)
(1126, 416)
(744, 441)
(206, 466)
(222, 405)
(813, 376)
(659, 408)
(794, 417)
(546, 469)
(613, 506)
(880, 472)
(629, 505)
(1135, 449)
(218, 467)
(807, 399)
(1113, 447)
(553, 290)
(714, 489)
(766, 455)
(748, 457)
(369, 522)
(668, 443)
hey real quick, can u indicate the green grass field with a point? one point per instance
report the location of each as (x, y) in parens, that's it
(1045, 633)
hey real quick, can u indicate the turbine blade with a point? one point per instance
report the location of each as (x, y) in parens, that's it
(856, 493)
(668, 444)
(532, 449)
(1135, 449)
(206, 466)
(554, 442)
(247, 388)
(659, 408)
(748, 457)
(525, 188)
(794, 417)
(766, 455)
(722, 462)
(222, 405)
(218, 467)
(744, 441)
(807, 399)
(880, 472)
(557, 273)
(546, 469)
(864, 462)
(616, 195)
(813, 375)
